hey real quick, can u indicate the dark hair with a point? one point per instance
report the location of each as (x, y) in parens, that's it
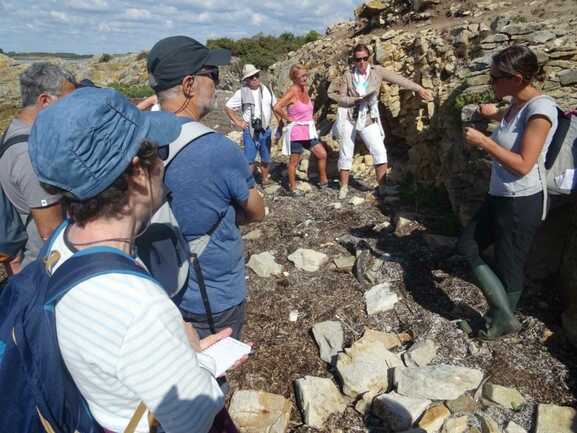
(110, 202)
(361, 47)
(517, 59)
(40, 78)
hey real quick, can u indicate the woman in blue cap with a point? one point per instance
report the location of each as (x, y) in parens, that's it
(121, 337)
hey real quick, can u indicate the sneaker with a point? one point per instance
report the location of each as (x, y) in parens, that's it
(296, 193)
(323, 186)
(343, 191)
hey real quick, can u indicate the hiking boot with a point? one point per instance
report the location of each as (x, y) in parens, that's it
(343, 191)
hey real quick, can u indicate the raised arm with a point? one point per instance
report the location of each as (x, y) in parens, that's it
(393, 77)
(337, 91)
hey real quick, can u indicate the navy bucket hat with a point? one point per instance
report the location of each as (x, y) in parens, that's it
(86, 140)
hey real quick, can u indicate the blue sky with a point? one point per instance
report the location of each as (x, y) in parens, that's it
(116, 26)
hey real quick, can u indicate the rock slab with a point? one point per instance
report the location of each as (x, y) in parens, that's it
(488, 425)
(398, 411)
(365, 365)
(441, 382)
(308, 260)
(330, 338)
(434, 418)
(260, 412)
(456, 425)
(556, 419)
(420, 354)
(514, 428)
(380, 298)
(509, 398)
(318, 398)
(264, 265)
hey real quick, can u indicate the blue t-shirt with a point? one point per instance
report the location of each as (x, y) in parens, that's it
(207, 180)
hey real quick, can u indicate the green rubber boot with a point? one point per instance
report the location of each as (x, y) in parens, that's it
(500, 319)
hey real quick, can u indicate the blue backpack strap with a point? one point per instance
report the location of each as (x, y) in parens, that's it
(87, 264)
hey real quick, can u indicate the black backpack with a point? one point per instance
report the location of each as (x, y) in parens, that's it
(13, 235)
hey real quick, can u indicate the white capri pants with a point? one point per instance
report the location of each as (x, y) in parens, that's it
(372, 138)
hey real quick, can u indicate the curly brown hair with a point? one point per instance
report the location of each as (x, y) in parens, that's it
(112, 201)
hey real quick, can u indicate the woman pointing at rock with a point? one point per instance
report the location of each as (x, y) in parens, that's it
(358, 96)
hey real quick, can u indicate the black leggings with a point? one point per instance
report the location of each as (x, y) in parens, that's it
(508, 223)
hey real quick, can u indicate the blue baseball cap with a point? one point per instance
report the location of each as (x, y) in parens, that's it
(83, 142)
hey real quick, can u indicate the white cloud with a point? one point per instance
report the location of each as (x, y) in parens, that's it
(133, 25)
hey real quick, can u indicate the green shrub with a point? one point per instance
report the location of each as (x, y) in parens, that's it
(263, 50)
(473, 98)
(105, 58)
(135, 91)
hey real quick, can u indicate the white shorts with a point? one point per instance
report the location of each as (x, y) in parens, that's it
(372, 138)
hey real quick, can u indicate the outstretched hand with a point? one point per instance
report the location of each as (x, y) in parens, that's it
(425, 94)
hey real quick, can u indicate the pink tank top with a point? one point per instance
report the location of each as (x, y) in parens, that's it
(299, 111)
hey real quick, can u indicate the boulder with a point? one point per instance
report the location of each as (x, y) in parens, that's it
(260, 412)
(434, 418)
(329, 337)
(463, 404)
(420, 354)
(345, 263)
(456, 425)
(264, 265)
(514, 428)
(308, 260)
(556, 419)
(568, 78)
(318, 398)
(489, 425)
(365, 365)
(509, 398)
(398, 411)
(380, 298)
(440, 382)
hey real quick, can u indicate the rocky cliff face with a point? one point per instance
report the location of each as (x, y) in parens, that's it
(447, 49)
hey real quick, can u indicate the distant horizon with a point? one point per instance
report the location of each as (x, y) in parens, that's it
(92, 27)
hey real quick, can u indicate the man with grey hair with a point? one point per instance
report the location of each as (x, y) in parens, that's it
(40, 85)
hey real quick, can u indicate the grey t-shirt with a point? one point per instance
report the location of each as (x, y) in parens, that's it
(21, 185)
(506, 183)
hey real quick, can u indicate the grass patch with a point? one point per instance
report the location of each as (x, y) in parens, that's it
(134, 91)
(473, 98)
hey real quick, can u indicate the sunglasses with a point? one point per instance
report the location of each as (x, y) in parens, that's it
(210, 72)
(254, 77)
(495, 78)
(362, 59)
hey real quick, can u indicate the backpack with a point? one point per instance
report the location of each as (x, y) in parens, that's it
(162, 247)
(558, 167)
(38, 393)
(13, 236)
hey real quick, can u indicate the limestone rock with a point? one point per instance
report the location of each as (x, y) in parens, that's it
(398, 411)
(260, 412)
(542, 36)
(514, 428)
(365, 365)
(272, 189)
(253, 235)
(456, 425)
(318, 398)
(434, 418)
(556, 419)
(264, 265)
(440, 382)
(308, 260)
(329, 337)
(463, 404)
(380, 298)
(568, 78)
(355, 201)
(304, 187)
(489, 425)
(507, 397)
(345, 263)
(420, 354)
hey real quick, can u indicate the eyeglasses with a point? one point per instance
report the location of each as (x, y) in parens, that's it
(210, 72)
(362, 59)
(254, 77)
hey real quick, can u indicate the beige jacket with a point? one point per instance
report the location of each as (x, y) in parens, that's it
(343, 92)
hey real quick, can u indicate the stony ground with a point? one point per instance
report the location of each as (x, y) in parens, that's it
(432, 281)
